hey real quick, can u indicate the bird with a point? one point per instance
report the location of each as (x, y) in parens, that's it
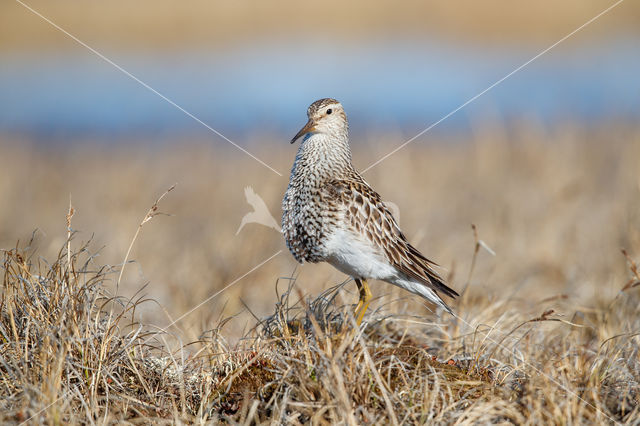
(331, 214)
(260, 213)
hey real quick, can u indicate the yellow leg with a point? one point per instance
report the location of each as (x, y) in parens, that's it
(365, 298)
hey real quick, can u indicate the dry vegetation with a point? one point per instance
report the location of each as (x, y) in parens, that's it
(548, 328)
(167, 24)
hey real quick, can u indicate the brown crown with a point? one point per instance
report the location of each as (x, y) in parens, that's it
(319, 104)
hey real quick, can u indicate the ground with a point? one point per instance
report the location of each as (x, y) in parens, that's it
(546, 329)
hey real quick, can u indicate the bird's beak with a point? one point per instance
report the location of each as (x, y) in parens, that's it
(306, 129)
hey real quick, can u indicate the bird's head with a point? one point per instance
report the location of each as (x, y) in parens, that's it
(326, 116)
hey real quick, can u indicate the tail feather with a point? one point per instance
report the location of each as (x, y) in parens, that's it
(422, 290)
(428, 276)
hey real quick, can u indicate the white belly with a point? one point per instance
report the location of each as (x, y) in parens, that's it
(356, 256)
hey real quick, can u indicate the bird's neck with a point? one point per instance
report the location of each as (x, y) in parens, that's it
(324, 155)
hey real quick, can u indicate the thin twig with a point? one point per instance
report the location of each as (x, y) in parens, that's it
(153, 211)
(70, 214)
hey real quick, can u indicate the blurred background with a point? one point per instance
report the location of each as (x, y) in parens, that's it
(545, 164)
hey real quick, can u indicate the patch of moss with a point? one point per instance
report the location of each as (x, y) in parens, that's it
(248, 381)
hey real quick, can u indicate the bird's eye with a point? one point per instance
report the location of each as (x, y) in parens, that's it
(329, 111)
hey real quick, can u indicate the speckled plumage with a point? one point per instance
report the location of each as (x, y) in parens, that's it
(331, 214)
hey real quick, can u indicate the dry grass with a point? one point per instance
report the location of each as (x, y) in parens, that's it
(548, 328)
(167, 24)
(74, 354)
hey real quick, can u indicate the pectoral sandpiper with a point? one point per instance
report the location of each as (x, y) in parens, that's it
(332, 215)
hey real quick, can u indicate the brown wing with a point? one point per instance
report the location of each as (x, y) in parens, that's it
(370, 217)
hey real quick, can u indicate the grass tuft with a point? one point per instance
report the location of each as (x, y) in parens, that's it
(73, 353)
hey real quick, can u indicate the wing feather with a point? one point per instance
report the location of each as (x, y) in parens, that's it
(369, 216)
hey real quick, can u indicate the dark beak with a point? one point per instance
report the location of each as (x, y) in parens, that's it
(306, 129)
